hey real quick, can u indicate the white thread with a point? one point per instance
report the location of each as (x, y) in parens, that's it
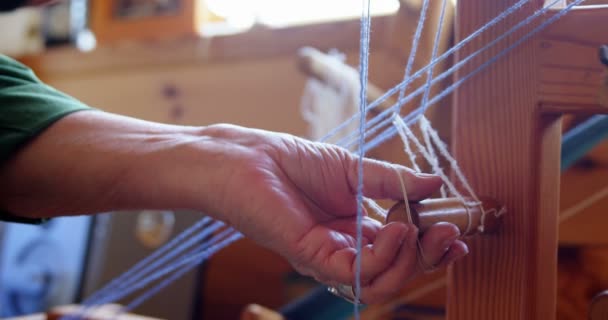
(403, 129)
(405, 198)
(497, 213)
(469, 219)
(425, 126)
(422, 261)
(482, 222)
(434, 158)
(431, 136)
(443, 150)
(405, 135)
(408, 150)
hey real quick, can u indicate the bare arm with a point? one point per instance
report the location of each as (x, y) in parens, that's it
(91, 162)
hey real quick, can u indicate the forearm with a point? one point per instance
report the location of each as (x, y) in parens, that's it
(92, 162)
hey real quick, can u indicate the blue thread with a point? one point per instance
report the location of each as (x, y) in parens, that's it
(414, 115)
(454, 68)
(184, 265)
(415, 43)
(363, 74)
(151, 292)
(141, 269)
(420, 72)
(117, 282)
(197, 255)
(429, 76)
(444, 75)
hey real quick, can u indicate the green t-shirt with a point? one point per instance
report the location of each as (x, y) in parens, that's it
(27, 107)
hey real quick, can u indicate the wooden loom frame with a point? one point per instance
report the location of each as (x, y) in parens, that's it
(499, 280)
(509, 147)
(514, 275)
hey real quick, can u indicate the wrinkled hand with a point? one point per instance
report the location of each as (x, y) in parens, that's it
(298, 198)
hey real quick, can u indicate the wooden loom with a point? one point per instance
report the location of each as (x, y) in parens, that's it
(510, 148)
(500, 279)
(506, 137)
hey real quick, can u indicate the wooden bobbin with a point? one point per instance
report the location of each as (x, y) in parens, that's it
(468, 217)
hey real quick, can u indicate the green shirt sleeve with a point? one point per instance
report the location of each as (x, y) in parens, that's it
(27, 107)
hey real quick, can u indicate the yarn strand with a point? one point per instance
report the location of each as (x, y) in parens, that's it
(414, 115)
(432, 64)
(377, 122)
(363, 70)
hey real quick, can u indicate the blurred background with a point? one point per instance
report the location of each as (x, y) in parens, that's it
(198, 62)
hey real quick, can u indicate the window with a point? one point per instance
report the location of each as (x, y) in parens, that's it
(240, 15)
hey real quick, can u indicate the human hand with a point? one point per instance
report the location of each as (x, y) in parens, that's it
(293, 196)
(298, 198)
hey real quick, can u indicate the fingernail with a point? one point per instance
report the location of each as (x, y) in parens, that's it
(403, 233)
(448, 242)
(460, 256)
(412, 237)
(425, 175)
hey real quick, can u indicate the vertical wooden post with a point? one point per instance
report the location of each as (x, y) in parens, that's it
(511, 152)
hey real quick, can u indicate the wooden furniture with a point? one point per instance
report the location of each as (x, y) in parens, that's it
(114, 21)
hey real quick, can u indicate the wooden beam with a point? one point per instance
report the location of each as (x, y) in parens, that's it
(256, 44)
(509, 152)
(571, 71)
(572, 108)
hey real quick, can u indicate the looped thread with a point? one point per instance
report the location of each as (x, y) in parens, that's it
(422, 261)
(469, 220)
(477, 203)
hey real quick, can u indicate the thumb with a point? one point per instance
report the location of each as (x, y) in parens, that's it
(381, 181)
